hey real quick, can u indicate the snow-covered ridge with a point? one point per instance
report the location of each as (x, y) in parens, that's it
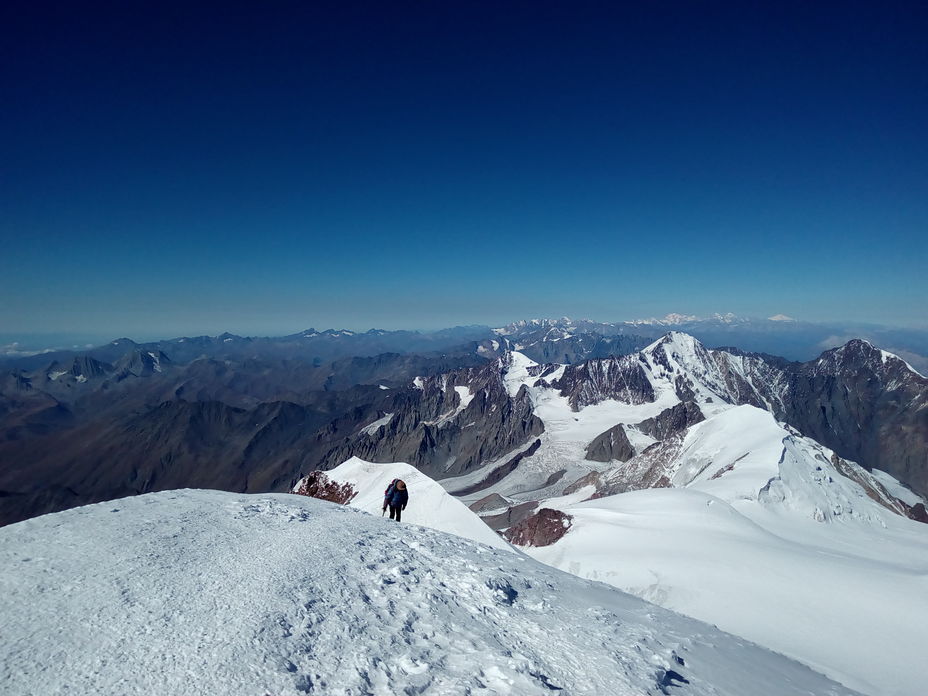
(768, 535)
(886, 356)
(430, 505)
(203, 592)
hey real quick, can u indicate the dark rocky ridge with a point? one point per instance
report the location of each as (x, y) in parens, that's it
(623, 379)
(122, 433)
(431, 430)
(611, 445)
(672, 420)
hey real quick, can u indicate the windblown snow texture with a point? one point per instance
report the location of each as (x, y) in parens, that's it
(202, 592)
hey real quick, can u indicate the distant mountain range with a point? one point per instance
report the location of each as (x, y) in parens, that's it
(557, 340)
(778, 335)
(253, 414)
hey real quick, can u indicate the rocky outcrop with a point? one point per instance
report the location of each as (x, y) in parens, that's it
(650, 469)
(918, 513)
(139, 363)
(672, 420)
(88, 368)
(622, 379)
(612, 445)
(317, 484)
(541, 529)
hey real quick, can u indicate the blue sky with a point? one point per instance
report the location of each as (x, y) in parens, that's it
(169, 170)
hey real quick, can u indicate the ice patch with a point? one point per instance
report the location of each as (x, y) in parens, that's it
(157, 366)
(372, 428)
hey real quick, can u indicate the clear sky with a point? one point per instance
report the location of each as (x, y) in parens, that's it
(266, 167)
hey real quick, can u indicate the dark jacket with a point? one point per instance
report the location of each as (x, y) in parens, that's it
(396, 497)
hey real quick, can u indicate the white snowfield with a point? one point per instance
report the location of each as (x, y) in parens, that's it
(430, 505)
(765, 538)
(203, 592)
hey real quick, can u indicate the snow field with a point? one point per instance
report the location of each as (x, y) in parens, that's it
(194, 592)
(847, 597)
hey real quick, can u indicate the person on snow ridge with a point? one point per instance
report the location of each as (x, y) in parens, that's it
(395, 497)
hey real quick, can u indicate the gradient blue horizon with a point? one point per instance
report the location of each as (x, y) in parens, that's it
(172, 170)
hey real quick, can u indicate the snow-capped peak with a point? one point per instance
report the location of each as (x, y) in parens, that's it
(863, 351)
(677, 342)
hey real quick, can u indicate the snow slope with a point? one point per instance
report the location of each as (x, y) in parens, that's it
(429, 504)
(763, 536)
(203, 592)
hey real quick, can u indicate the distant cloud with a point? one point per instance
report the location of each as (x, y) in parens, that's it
(836, 340)
(15, 350)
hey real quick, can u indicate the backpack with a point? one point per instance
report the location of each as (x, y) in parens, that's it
(387, 493)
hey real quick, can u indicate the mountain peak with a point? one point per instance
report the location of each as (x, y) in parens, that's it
(678, 342)
(866, 351)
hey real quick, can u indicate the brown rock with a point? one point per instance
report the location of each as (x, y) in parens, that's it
(918, 513)
(541, 529)
(318, 485)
